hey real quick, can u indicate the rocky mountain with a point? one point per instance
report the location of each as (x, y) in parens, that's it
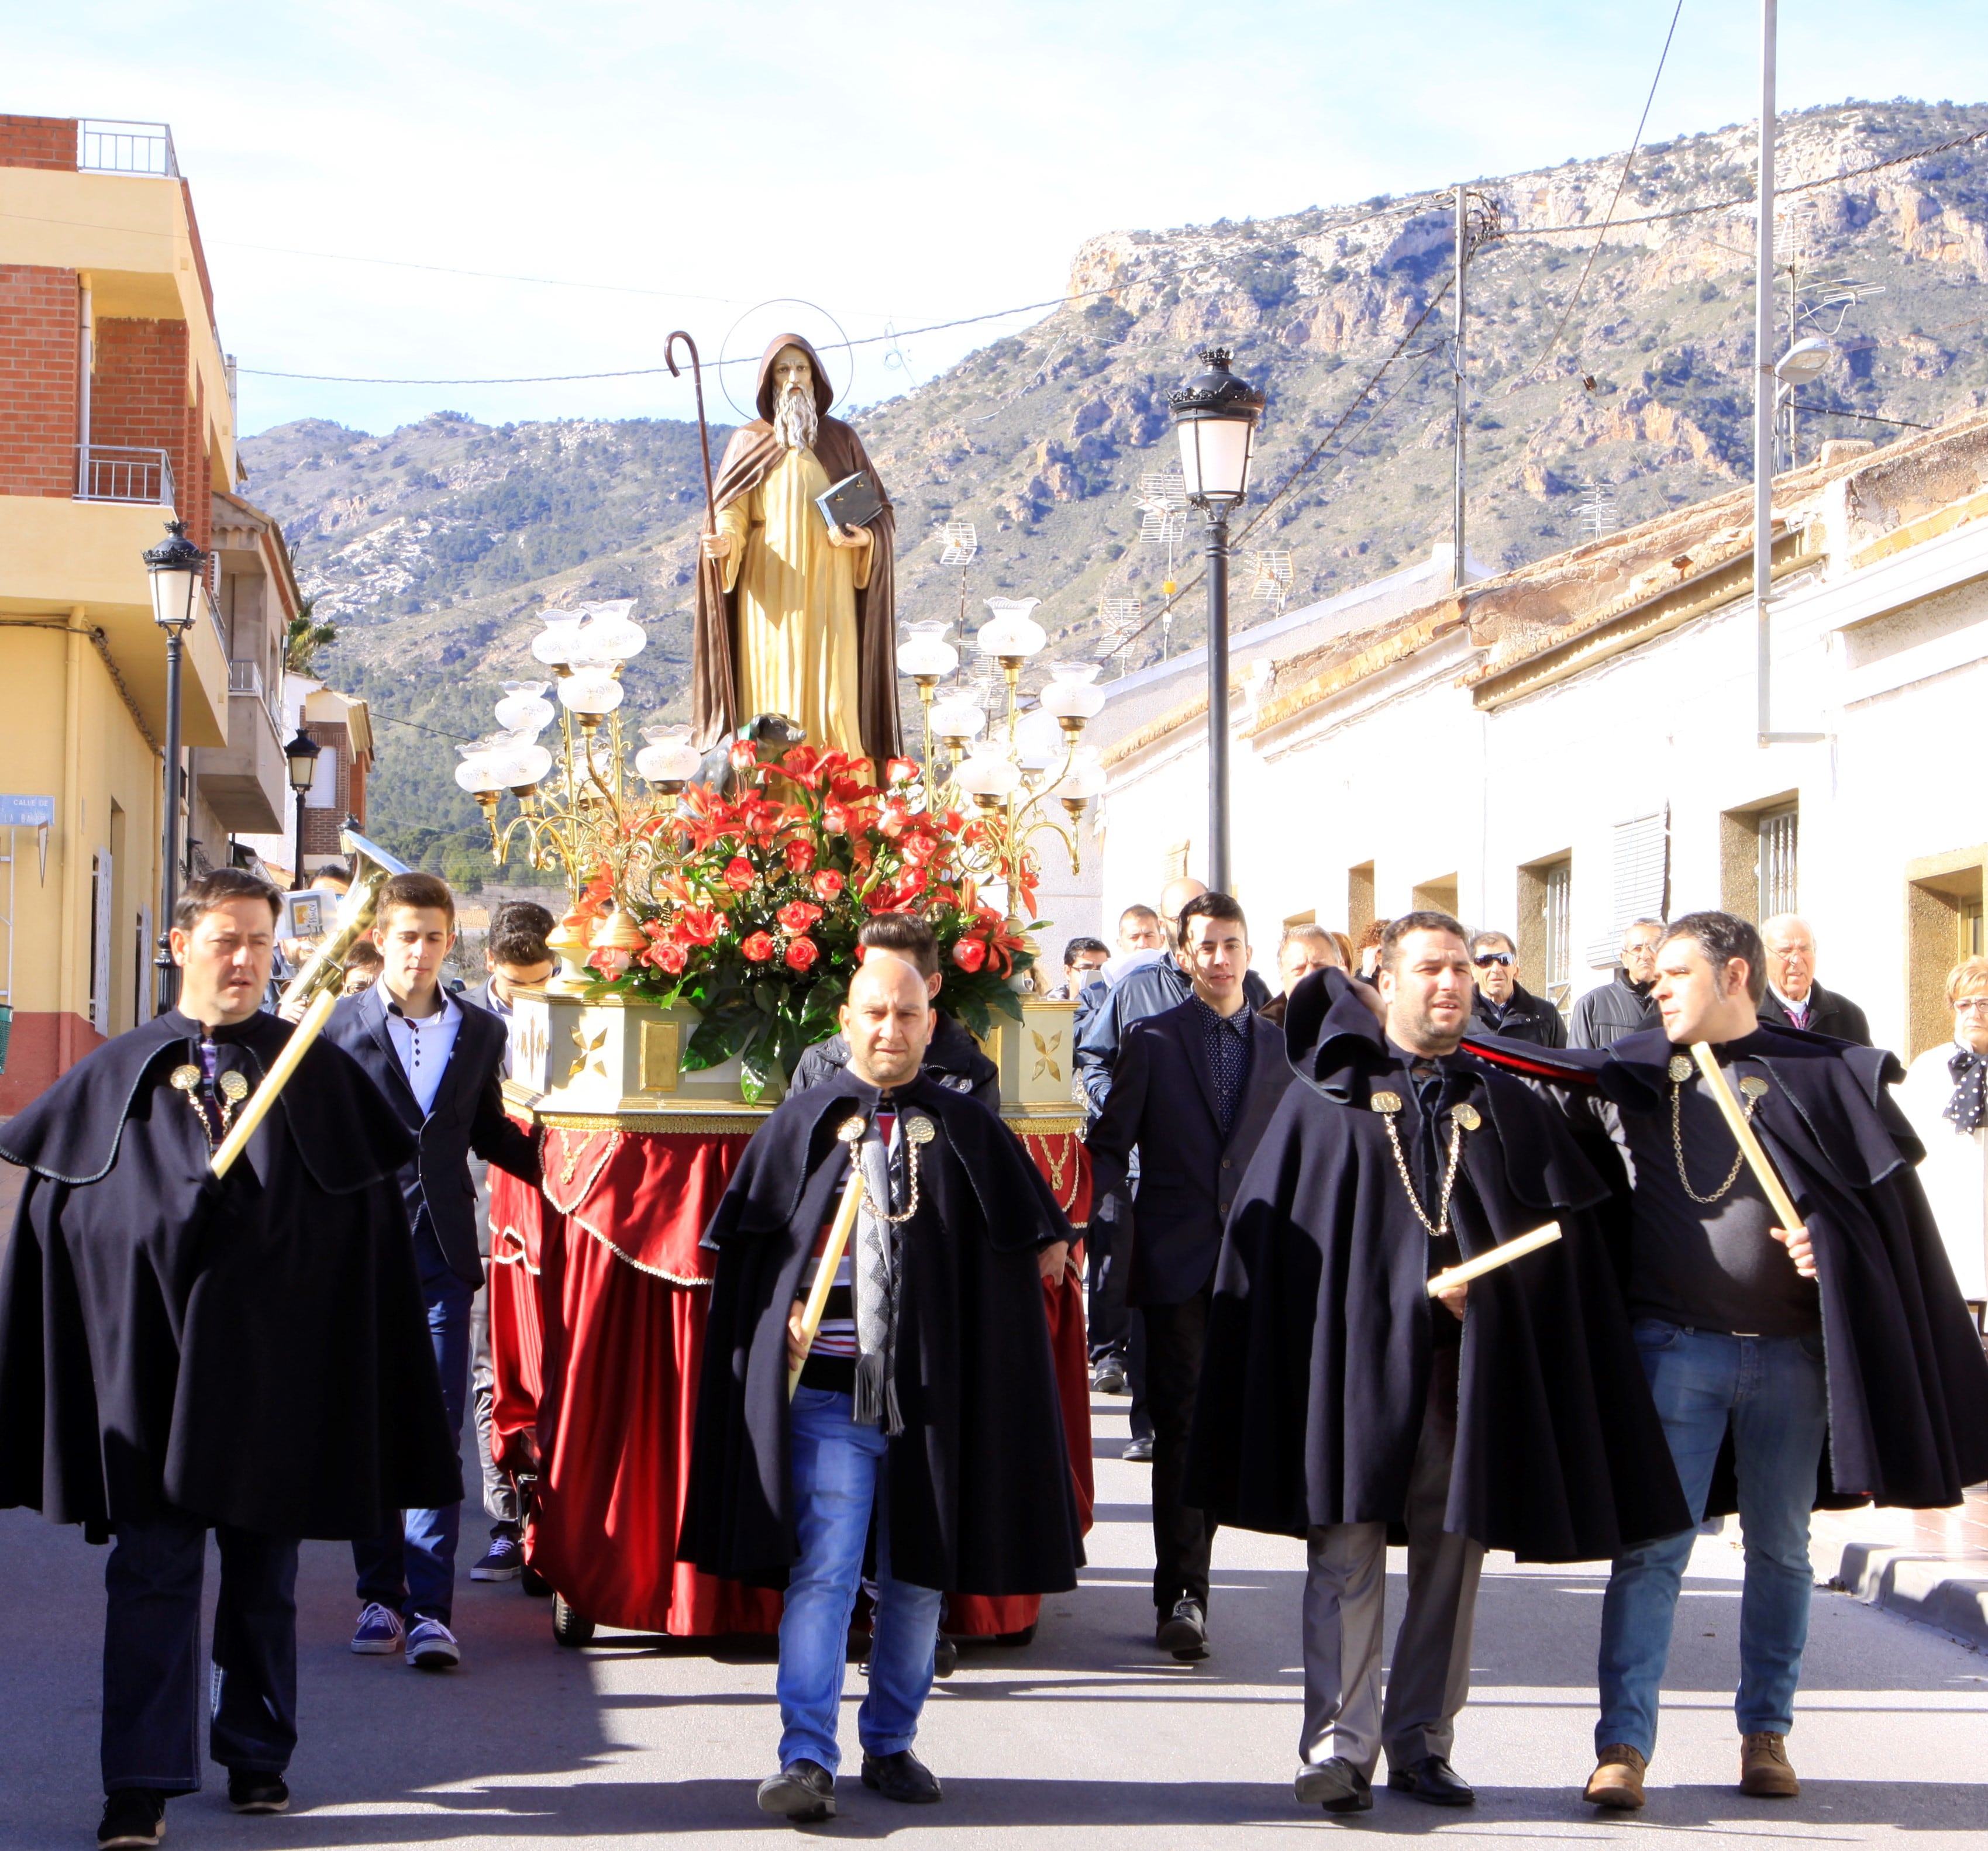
(435, 546)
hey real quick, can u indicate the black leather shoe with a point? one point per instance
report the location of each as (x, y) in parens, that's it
(802, 1790)
(134, 1818)
(901, 1776)
(1140, 1451)
(1335, 1785)
(249, 1791)
(1433, 1780)
(1109, 1378)
(945, 1657)
(1184, 1632)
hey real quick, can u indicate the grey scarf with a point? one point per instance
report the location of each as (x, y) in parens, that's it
(877, 1274)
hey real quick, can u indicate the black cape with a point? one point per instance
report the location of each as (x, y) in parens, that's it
(980, 1497)
(253, 1352)
(1317, 1365)
(1908, 1385)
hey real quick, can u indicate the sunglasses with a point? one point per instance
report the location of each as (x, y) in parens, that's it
(1484, 960)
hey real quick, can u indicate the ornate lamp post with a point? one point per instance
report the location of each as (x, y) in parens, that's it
(301, 752)
(1215, 417)
(177, 566)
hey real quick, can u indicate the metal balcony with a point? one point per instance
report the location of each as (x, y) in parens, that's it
(118, 472)
(125, 148)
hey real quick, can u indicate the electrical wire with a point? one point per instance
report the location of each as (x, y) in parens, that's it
(1615, 199)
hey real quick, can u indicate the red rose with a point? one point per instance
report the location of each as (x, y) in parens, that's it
(800, 856)
(900, 771)
(738, 873)
(759, 947)
(969, 954)
(798, 915)
(802, 953)
(827, 884)
(744, 755)
(919, 849)
(896, 819)
(670, 958)
(835, 819)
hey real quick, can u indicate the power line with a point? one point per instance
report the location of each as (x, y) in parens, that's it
(1621, 180)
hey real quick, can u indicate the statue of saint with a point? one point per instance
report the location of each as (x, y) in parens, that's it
(793, 617)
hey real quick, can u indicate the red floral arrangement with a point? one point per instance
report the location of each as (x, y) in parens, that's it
(756, 922)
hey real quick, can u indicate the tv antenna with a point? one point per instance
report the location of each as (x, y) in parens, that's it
(1270, 580)
(1596, 510)
(1162, 505)
(958, 544)
(1119, 619)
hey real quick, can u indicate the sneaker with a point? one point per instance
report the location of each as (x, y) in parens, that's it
(432, 1646)
(381, 1631)
(504, 1560)
(252, 1790)
(134, 1817)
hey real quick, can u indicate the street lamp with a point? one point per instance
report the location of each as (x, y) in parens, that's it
(1215, 417)
(177, 567)
(301, 752)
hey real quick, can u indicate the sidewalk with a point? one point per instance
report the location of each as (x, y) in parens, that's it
(1928, 1565)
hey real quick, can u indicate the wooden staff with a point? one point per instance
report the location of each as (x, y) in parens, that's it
(849, 1130)
(257, 1108)
(1502, 1255)
(1757, 1159)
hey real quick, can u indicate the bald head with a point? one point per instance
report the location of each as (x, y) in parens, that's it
(1790, 945)
(1174, 895)
(888, 1022)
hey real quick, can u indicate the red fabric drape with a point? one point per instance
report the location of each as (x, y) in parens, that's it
(599, 1365)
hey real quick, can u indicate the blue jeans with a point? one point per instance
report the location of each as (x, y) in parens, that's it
(838, 1469)
(1770, 1390)
(412, 1570)
(153, 1688)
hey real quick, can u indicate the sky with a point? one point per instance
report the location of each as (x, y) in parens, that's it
(890, 165)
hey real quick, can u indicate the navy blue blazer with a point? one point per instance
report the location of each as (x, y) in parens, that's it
(467, 1114)
(1162, 1100)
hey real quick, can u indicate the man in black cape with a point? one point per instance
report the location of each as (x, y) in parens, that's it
(1338, 1400)
(1831, 1364)
(179, 1353)
(926, 1425)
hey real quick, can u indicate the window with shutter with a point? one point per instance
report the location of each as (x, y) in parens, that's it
(1641, 863)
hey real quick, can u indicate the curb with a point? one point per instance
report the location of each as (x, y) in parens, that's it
(1948, 1592)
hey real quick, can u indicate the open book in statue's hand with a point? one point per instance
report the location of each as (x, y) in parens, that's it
(853, 502)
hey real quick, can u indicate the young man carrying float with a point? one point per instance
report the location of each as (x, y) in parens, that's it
(945, 1422)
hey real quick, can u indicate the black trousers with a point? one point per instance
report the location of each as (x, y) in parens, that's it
(1112, 1329)
(152, 1688)
(1175, 1337)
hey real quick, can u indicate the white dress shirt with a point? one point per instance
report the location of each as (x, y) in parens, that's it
(425, 1045)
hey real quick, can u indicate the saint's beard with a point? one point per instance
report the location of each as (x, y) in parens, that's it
(796, 420)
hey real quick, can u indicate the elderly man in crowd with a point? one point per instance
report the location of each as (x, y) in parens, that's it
(1303, 949)
(1624, 1004)
(1945, 1096)
(1793, 996)
(1503, 1005)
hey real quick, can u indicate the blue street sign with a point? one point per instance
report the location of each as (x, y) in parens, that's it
(25, 812)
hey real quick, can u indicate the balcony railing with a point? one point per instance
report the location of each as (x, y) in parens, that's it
(117, 472)
(244, 678)
(125, 148)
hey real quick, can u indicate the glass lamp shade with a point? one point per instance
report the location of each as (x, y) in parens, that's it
(479, 773)
(1085, 779)
(987, 773)
(176, 567)
(1216, 416)
(1011, 631)
(613, 636)
(958, 717)
(525, 708)
(926, 652)
(1804, 363)
(1072, 693)
(553, 645)
(302, 756)
(591, 691)
(528, 759)
(669, 757)
(1038, 739)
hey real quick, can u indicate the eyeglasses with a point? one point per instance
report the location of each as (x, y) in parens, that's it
(1484, 960)
(1972, 1005)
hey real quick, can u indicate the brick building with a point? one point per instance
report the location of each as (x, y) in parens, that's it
(115, 415)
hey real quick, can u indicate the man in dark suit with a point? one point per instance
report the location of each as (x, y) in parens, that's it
(438, 1064)
(1193, 1087)
(1793, 996)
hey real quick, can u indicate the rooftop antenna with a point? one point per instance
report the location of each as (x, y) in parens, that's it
(1596, 511)
(958, 544)
(1162, 504)
(1119, 618)
(1270, 580)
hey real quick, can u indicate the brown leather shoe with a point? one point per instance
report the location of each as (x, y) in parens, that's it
(1764, 1771)
(1617, 1782)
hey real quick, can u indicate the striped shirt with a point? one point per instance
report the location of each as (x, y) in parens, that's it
(831, 1362)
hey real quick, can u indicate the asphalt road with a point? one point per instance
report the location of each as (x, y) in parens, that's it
(1087, 1729)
